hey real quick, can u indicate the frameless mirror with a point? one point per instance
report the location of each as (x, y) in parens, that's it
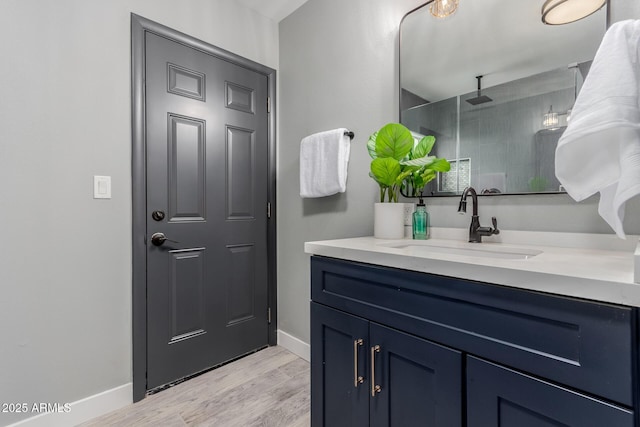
(500, 139)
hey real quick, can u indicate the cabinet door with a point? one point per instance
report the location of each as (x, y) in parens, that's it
(338, 358)
(497, 396)
(420, 382)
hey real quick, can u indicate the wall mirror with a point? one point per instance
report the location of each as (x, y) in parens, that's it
(503, 139)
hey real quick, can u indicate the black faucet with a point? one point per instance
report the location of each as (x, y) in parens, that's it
(475, 231)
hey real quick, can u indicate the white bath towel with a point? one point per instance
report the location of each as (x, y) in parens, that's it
(324, 159)
(600, 149)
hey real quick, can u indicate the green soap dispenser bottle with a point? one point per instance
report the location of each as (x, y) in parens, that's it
(421, 222)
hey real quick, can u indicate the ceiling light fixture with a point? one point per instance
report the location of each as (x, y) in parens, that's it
(558, 12)
(443, 8)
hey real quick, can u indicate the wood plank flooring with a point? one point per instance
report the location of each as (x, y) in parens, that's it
(269, 388)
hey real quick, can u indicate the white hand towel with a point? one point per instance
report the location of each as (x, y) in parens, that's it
(324, 158)
(600, 149)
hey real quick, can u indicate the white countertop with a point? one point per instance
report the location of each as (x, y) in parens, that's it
(594, 267)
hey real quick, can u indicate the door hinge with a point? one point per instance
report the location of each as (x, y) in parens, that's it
(268, 104)
(268, 209)
(269, 315)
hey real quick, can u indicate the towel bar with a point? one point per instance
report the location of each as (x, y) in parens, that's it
(349, 134)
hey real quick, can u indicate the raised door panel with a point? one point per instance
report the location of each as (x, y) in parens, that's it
(185, 82)
(497, 396)
(420, 381)
(240, 179)
(186, 168)
(186, 294)
(241, 284)
(337, 360)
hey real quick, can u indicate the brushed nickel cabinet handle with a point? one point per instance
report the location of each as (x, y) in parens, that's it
(357, 379)
(375, 388)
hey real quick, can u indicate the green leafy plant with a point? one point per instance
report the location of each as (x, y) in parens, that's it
(538, 184)
(398, 162)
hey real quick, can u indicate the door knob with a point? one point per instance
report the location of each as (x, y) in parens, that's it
(158, 239)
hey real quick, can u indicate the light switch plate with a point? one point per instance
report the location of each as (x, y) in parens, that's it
(101, 187)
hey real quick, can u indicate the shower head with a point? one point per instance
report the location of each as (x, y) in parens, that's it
(480, 99)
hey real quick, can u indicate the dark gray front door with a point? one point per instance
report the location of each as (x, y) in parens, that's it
(207, 182)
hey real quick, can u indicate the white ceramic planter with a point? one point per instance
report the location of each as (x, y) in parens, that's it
(388, 221)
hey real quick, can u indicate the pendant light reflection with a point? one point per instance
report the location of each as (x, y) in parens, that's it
(555, 120)
(558, 12)
(443, 8)
(550, 119)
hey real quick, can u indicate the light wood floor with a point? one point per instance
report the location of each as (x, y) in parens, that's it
(268, 388)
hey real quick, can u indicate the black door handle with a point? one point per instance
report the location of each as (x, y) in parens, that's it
(158, 239)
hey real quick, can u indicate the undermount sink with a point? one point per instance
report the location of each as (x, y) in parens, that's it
(466, 249)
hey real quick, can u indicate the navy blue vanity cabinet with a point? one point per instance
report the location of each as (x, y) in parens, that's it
(365, 374)
(450, 352)
(339, 380)
(498, 396)
(419, 382)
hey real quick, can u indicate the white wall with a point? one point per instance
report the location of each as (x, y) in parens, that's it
(624, 9)
(65, 258)
(338, 67)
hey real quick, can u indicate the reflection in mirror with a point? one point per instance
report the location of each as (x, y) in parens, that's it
(502, 139)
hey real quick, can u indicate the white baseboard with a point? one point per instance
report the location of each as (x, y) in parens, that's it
(294, 345)
(83, 410)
